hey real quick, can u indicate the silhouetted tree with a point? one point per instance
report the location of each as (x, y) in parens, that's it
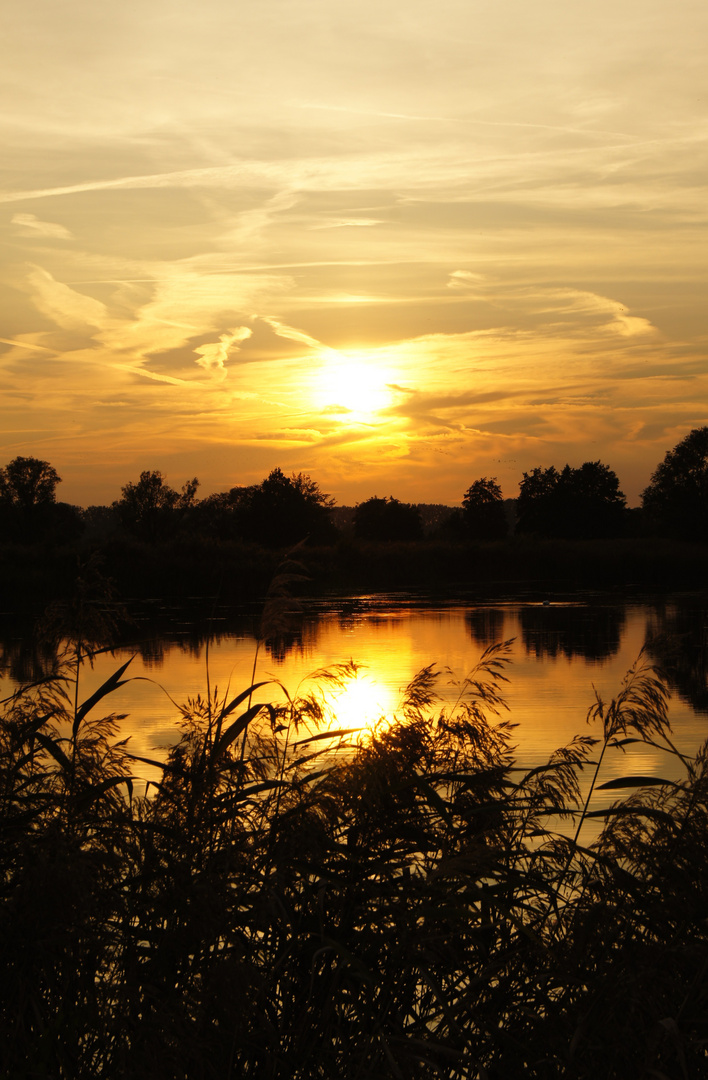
(29, 511)
(676, 500)
(283, 510)
(387, 519)
(537, 503)
(483, 510)
(100, 521)
(593, 503)
(584, 503)
(28, 482)
(151, 509)
(435, 518)
(217, 515)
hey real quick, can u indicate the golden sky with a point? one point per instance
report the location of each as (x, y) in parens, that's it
(398, 245)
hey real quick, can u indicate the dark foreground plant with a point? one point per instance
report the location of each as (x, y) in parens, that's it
(292, 901)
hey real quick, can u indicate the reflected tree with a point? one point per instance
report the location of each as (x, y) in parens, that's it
(677, 639)
(568, 630)
(22, 656)
(486, 625)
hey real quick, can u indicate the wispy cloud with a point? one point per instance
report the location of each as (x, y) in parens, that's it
(29, 225)
(498, 210)
(291, 333)
(213, 356)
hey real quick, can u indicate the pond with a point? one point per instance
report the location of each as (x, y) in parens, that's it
(563, 653)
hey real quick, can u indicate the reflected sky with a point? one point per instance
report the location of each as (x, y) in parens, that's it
(557, 669)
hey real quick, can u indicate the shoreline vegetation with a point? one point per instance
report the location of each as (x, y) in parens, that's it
(567, 529)
(33, 575)
(292, 901)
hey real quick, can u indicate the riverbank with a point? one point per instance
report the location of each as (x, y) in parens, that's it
(32, 576)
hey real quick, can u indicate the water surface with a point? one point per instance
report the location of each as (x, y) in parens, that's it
(564, 654)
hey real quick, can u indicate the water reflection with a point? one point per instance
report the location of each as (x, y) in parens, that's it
(677, 640)
(563, 655)
(24, 658)
(591, 631)
(486, 625)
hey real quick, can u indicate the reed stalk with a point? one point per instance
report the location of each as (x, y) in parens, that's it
(295, 903)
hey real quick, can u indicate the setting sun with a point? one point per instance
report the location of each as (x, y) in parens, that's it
(365, 251)
(352, 385)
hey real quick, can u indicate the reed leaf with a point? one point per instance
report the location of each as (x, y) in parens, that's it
(112, 683)
(88, 795)
(52, 747)
(636, 782)
(624, 811)
(337, 733)
(239, 725)
(243, 696)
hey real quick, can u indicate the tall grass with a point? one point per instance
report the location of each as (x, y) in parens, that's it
(292, 901)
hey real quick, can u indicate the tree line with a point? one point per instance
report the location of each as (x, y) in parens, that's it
(568, 503)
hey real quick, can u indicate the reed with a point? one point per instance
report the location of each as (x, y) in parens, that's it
(293, 901)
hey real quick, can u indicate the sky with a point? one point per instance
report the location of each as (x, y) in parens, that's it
(395, 245)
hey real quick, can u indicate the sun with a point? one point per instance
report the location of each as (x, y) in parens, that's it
(353, 386)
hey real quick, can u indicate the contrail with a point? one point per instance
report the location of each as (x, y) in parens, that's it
(24, 345)
(464, 120)
(148, 180)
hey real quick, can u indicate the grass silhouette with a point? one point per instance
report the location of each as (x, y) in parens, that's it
(293, 901)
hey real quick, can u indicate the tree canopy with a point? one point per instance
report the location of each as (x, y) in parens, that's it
(27, 481)
(483, 510)
(29, 512)
(676, 500)
(583, 503)
(149, 508)
(283, 510)
(387, 519)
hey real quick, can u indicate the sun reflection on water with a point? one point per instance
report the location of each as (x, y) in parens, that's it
(360, 703)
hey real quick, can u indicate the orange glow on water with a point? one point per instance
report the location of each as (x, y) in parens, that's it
(361, 702)
(553, 678)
